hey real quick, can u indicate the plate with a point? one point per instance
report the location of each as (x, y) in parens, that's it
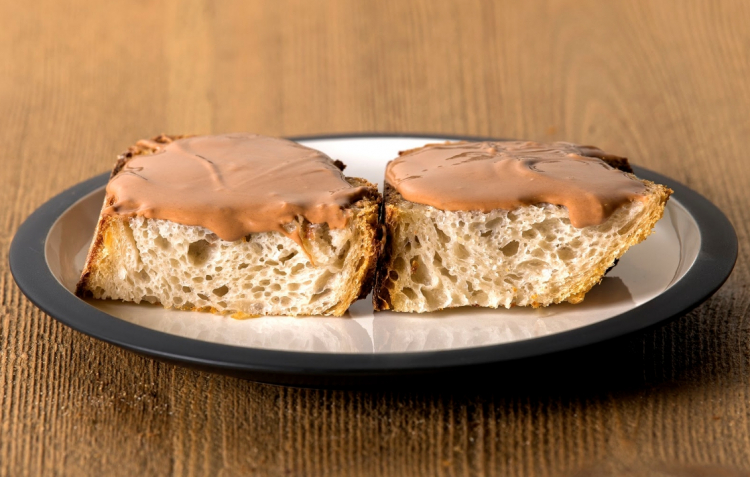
(688, 257)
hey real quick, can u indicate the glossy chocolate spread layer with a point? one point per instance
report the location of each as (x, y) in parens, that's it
(509, 174)
(234, 185)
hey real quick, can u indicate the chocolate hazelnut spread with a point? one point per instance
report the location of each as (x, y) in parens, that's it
(510, 174)
(234, 185)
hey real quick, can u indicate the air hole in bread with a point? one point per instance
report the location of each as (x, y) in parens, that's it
(480, 298)
(345, 250)
(287, 257)
(399, 264)
(221, 291)
(565, 253)
(436, 260)
(409, 293)
(199, 252)
(419, 272)
(442, 236)
(461, 251)
(161, 242)
(510, 249)
(492, 223)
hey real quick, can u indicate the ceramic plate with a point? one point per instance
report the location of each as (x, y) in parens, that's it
(689, 255)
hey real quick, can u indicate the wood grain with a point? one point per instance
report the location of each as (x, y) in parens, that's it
(665, 83)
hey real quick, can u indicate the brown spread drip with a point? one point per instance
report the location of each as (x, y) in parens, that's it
(234, 185)
(510, 174)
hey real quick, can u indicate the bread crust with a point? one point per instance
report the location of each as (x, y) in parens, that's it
(144, 146)
(392, 211)
(364, 219)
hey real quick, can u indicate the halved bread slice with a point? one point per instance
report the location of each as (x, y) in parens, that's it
(189, 267)
(530, 256)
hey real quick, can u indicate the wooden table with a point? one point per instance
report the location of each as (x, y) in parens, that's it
(665, 82)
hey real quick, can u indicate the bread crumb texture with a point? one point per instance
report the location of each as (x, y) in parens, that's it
(189, 267)
(530, 256)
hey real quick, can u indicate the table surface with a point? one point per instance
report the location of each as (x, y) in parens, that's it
(666, 83)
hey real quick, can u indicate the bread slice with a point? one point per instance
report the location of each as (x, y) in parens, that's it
(190, 268)
(531, 256)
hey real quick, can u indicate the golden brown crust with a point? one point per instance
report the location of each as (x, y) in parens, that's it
(381, 297)
(94, 253)
(364, 217)
(369, 225)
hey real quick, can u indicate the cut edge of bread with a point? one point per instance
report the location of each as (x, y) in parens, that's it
(393, 212)
(363, 221)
